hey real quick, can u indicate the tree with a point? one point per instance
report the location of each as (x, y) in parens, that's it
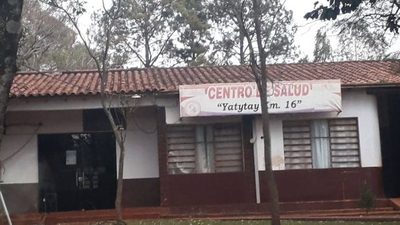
(146, 29)
(101, 57)
(322, 49)
(74, 57)
(362, 36)
(361, 29)
(383, 12)
(47, 43)
(10, 29)
(360, 42)
(258, 62)
(278, 30)
(194, 36)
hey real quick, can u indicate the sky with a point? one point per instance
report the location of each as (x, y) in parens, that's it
(306, 28)
(306, 31)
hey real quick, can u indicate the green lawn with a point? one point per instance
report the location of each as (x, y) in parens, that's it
(252, 222)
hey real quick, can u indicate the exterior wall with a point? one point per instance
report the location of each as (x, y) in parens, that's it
(330, 183)
(141, 172)
(323, 184)
(141, 154)
(20, 174)
(356, 103)
(316, 184)
(145, 173)
(141, 143)
(21, 134)
(207, 188)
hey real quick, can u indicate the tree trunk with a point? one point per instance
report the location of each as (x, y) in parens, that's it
(271, 183)
(118, 198)
(10, 26)
(241, 47)
(262, 86)
(261, 75)
(120, 141)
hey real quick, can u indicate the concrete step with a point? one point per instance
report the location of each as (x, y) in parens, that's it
(310, 211)
(395, 202)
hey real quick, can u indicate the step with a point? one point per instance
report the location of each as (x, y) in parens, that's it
(395, 202)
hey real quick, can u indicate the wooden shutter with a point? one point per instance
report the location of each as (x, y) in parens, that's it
(228, 154)
(344, 142)
(297, 144)
(181, 146)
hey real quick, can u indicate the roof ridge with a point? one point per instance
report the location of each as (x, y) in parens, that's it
(341, 62)
(203, 66)
(124, 69)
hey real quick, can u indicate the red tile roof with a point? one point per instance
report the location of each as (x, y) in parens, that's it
(362, 73)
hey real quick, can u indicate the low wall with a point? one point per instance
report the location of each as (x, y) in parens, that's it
(323, 184)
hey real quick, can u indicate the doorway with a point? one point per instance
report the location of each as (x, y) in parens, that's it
(76, 171)
(389, 122)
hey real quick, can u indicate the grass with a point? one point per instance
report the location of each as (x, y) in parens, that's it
(251, 222)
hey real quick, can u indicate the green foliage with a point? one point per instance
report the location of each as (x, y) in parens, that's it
(48, 43)
(367, 198)
(277, 28)
(194, 37)
(322, 49)
(360, 35)
(175, 32)
(145, 30)
(386, 13)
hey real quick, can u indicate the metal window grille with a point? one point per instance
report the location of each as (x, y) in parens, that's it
(204, 148)
(343, 139)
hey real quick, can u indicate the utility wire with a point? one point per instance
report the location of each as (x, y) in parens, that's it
(21, 147)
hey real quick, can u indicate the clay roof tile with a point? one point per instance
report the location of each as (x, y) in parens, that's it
(354, 73)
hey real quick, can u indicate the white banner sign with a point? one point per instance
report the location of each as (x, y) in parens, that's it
(243, 98)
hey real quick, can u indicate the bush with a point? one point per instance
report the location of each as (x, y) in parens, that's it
(367, 198)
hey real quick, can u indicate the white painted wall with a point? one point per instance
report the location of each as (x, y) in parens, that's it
(141, 159)
(366, 108)
(356, 103)
(23, 167)
(141, 154)
(21, 135)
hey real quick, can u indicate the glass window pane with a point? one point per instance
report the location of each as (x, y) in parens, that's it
(320, 144)
(201, 150)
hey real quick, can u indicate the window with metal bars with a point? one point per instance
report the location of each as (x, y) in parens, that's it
(212, 148)
(329, 143)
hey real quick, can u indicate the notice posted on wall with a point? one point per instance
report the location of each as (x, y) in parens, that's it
(244, 98)
(70, 157)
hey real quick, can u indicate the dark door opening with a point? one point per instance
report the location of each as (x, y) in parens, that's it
(389, 122)
(76, 171)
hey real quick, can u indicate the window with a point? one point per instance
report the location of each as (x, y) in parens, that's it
(321, 143)
(204, 148)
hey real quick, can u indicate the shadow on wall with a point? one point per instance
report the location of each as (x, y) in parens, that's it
(21, 198)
